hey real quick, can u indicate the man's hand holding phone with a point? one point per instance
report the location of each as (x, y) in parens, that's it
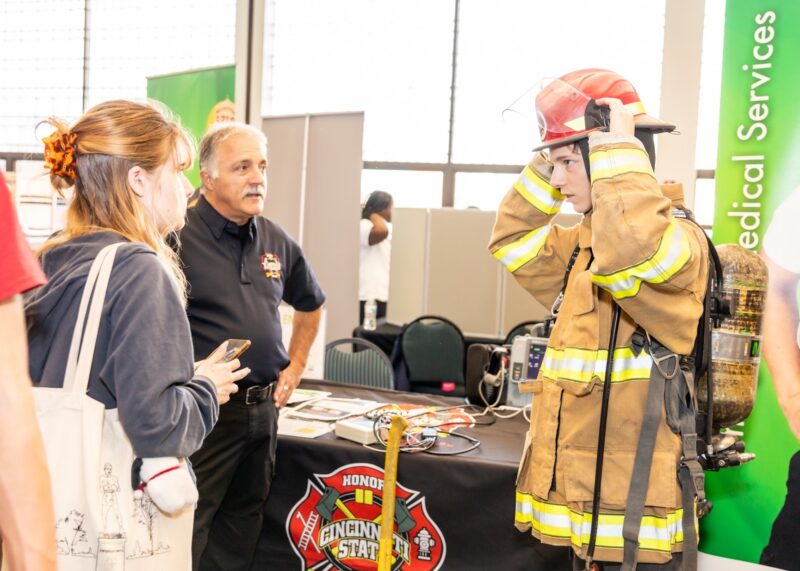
(222, 367)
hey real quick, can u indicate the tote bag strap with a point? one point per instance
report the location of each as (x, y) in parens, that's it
(81, 352)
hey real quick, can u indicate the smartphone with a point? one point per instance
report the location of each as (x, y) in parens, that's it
(235, 348)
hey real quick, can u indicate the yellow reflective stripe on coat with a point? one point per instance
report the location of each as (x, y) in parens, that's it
(671, 255)
(612, 162)
(581, 365)
(558, 520)
(518, 253)
(538, 192)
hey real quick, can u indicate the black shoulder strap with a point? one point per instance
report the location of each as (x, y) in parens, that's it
(556, 307)
(715, 309)
(557, 303)
(570, 264)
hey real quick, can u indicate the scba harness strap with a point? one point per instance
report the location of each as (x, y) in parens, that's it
(670, 389)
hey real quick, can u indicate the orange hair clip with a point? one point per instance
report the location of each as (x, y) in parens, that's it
(59, 154)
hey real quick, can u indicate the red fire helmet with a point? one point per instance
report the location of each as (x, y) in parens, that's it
(561, 105)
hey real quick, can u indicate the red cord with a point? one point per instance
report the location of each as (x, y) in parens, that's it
(143, 485)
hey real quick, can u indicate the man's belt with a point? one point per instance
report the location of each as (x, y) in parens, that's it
(253, 394)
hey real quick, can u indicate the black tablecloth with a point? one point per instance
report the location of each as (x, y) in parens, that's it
(386, 334)
(462, 507)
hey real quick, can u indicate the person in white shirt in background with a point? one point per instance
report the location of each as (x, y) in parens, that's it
(376, 247)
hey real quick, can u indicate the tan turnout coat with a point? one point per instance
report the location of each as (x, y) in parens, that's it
(655, 267)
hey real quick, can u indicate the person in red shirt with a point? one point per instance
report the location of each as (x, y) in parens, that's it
(26, 521)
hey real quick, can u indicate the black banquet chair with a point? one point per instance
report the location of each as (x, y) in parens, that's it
(433, 351)
(368, 366)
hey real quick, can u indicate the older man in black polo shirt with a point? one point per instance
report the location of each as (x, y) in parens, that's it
(240, 266)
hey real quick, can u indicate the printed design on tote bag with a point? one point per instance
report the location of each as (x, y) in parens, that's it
(148, 516)
(113, 544)
(112, 520)
(71, 535)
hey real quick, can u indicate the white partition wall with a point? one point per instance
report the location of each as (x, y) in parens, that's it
(441, 266)
(314, 190)
(463, 280)
(409, 266)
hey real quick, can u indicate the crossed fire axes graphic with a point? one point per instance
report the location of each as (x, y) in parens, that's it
(330, 501)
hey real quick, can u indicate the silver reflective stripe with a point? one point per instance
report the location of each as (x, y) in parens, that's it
(582, 365)
(672, 254)
(515, 255)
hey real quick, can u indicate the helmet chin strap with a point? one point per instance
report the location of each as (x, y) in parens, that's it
(648, 140)
(583, 145)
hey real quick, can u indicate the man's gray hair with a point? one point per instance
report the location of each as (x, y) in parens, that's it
(218, 133)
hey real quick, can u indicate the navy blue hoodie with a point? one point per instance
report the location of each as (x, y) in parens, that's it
(143, 360)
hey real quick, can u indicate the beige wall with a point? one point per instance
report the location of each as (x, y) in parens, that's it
(441, 266)
(463, 284)
(407, 291)
(286, 140)
(314, 176)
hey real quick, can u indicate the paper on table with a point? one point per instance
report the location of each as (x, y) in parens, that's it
(301, 428)
(303, 395)
(332, 409)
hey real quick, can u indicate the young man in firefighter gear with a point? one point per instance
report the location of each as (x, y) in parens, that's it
(629, 250)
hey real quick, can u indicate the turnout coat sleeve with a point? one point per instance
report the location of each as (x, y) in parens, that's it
(653, 265)
(524, 238)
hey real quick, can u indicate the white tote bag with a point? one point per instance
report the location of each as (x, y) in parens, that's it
(99, 523)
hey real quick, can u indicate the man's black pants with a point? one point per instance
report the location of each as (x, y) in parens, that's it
(234, 470)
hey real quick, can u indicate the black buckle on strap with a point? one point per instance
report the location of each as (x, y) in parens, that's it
(257, 393)
(661, 355)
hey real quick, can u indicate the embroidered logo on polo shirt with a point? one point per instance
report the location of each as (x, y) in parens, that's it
(271, 264)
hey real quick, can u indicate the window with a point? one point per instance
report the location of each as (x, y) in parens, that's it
(506, 47)
(482, 190)
(127, 41)
(42, 67)
(704, 201)
(710, 85)
(130, 41)
(418, 189)
(390, 59)
(708, 111)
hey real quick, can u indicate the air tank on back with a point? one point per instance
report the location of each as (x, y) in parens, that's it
(736, 344)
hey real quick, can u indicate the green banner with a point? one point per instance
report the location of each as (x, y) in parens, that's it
(199, 97)
(757, 168)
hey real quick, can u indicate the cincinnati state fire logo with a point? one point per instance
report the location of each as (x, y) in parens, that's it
(271, 264)
(337, 524)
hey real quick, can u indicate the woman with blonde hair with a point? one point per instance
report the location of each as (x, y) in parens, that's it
(125, 163)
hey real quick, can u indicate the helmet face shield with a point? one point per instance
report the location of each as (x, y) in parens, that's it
(519, 117)
(554, 113)
(566, 111)
(560, 110)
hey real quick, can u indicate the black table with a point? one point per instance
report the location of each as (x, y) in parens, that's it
(385, 335)
(460, 509)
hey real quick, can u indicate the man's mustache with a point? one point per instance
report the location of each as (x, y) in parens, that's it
(259, 189)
